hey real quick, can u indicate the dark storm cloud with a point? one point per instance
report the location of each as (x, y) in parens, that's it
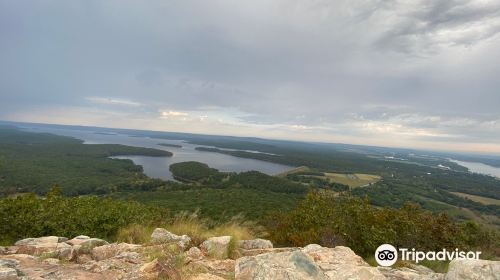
(421, 70)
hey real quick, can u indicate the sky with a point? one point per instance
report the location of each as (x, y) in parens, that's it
(417, 74)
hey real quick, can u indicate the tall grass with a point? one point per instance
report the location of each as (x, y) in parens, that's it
(196, 228)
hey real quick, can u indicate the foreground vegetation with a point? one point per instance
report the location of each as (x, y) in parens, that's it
(322, 217)
(325, 219)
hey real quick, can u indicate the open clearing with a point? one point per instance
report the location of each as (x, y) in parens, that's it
(353, 180)
(477, 198)
(295, 170)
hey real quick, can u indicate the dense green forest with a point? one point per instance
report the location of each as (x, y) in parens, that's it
(192, 171)
(35, 161)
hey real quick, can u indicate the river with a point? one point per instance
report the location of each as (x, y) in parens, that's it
(478, 167)
(158, 167)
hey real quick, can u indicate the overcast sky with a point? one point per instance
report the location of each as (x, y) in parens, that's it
(421, 74)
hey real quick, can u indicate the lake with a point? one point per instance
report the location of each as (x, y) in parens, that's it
(158, 167)
(478, 167)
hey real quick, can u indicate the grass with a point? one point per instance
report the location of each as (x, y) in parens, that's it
(477, 198)
(295, 170)
(353, 180)
(201, 229)
(198, 229)
(135, 234)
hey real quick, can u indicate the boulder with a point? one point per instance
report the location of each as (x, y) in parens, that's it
(78, 240)
(47, 245)
(473, 269)
(255, 244)
(7, 273)
(111, 250)
(8, 269)
(194, 254)
(159, 270)
(205, 276)
(163, 236)
(214, 266)
(341, 263)
(216, 247)
(286, 265)
(86, 246)
(406, 273)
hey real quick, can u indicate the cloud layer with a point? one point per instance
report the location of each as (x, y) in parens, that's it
(422, 74)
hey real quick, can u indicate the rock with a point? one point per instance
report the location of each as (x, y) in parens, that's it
(194, 254)
(286, 265)
(341, 263)
(51, 261)
(47, 245)
(214, 266)
(473, 269)
(406, 273)
(130, 257)
(163, 236)
(110, 250)
(89, 244)
(7, 273)
(254, 252)
(216, 247)
(78, 240)
(255, 244)
(3, 250)
(205, 276)
(159, 270)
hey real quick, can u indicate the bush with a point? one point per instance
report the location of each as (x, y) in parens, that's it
(329, 220)
(31, 216)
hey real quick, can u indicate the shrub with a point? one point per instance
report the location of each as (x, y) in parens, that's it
(31, 216)
(329, 220)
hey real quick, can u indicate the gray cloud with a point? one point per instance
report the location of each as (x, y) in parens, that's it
(375, 72)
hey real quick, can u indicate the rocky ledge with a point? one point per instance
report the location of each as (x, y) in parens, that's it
(169, 256)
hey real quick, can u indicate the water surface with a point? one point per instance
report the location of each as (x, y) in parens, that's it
(477, 167)
(158, 167)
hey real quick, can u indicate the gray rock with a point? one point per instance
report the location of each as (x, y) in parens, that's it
(255, 244)
(286, 265)
(78, 240)
(216, 247)
(111, 250)
(7, 273)
(406, 273)
(342, 263)
(473, 269)
(89, 244)
(38, 246)
(194, 254)
(163, 236)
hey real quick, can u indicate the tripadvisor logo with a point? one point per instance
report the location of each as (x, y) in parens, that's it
(387, 255)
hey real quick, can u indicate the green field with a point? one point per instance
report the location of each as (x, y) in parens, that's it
(353, 180)
(477, 198)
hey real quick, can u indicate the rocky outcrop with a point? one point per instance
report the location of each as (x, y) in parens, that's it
(86, 258)
(217, 247)
(163, 236)
(473, 269)
(311, 262)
